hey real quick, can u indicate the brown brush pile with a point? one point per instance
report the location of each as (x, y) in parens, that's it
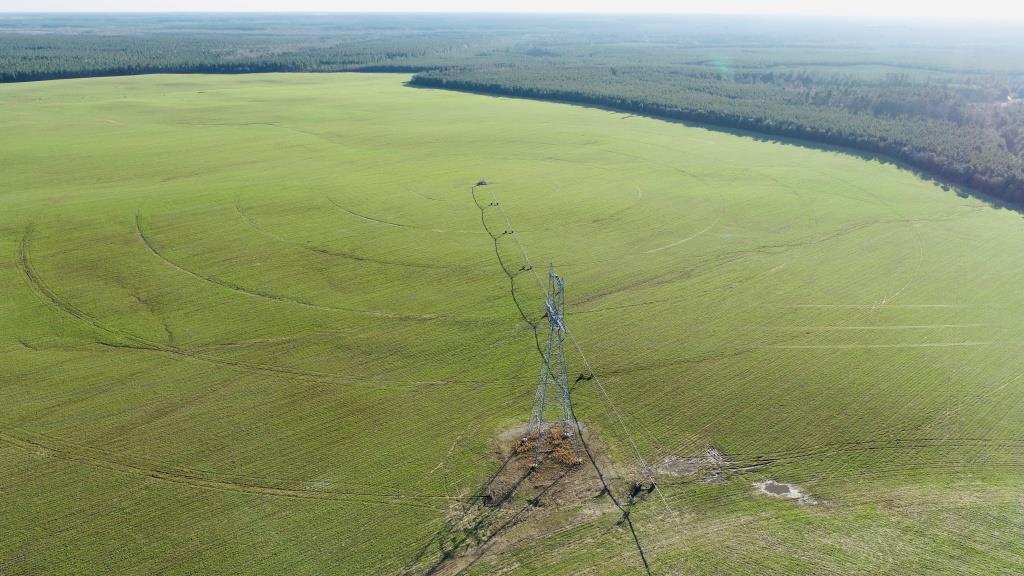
(558, 444)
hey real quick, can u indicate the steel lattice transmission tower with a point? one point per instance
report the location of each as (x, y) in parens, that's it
(554, 379)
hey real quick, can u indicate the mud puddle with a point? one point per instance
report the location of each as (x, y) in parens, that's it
(785, 491)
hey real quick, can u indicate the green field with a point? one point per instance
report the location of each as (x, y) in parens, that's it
(254, 325)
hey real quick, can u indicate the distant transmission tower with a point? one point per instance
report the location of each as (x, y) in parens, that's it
(561, 436)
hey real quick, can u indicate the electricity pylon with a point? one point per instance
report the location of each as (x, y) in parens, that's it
(552, 371)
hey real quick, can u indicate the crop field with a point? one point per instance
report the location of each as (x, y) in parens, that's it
(260, 325)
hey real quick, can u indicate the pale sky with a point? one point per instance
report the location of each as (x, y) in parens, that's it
(930, 9)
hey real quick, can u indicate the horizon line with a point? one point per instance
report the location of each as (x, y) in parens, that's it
(784, 15)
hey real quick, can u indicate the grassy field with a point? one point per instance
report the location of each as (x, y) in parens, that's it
(255, 325)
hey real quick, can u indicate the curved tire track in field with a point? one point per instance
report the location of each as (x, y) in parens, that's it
(684, 240)
(911, 224)
(715, 261)
(874, 346)
(398, 224)
(197, 479)
(337, 253)
(265, 295)
(126, 340)
(724, 258)
(38, 286)
(368, 218)
(894, 445)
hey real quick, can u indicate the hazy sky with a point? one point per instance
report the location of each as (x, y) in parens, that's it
(954, 9)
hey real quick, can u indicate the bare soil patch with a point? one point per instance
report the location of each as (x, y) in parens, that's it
(786, 491)
(708, 467)
(512, 505)
(563, 476)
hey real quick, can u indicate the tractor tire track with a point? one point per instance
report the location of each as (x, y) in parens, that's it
(872, 346)
(344, 255)
(367, 218)
(721, 259)
(196, 479)
(684, 240)
(896, 444)
(398, 224)
(125, 340)
(261, 294)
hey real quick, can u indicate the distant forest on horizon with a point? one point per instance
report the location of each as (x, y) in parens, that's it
(942, 98)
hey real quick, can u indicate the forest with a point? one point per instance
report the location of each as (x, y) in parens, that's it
(944, 99)
(970, 133)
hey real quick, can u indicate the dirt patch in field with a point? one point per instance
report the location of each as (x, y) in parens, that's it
(563, 476)
(519, 500)
(786, 491)
(708, 467)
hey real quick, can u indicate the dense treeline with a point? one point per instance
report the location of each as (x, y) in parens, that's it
(945, 100)
(28, 58)
(970, 135)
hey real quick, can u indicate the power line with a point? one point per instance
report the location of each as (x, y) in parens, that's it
(604, 393)
(510, 231)
(626, 516)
